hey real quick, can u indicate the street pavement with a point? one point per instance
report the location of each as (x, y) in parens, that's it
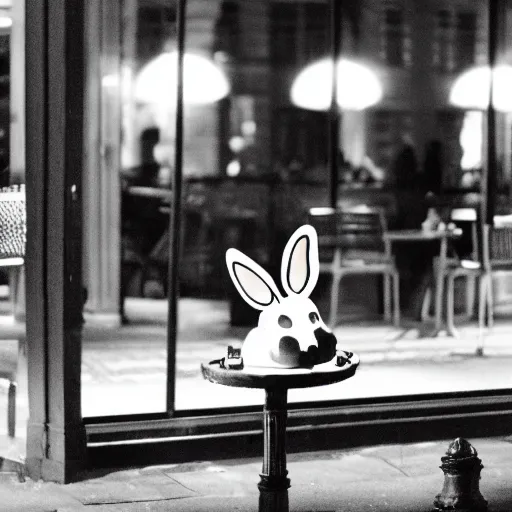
(386, 478)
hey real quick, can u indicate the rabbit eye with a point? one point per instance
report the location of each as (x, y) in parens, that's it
(284, 321)
(314, 317)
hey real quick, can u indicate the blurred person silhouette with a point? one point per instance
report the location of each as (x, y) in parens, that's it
(414, 262)
(405, 166)
(433, 167)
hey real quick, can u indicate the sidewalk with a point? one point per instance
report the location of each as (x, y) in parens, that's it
(384, 478)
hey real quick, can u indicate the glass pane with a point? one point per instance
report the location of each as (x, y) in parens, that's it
(256, 160)
(13, 367)
(254, 163)
(124, 368)
(249, 157)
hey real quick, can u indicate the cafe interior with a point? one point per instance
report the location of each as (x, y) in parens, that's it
(171, 131)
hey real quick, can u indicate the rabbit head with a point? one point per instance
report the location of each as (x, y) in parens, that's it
(290, 332)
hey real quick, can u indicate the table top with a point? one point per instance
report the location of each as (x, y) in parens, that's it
(152, 192)
(421, 235)
(253, 377)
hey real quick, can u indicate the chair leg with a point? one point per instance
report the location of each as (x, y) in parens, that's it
(482, 304)
(450, 304)
(387, 297)
(14, 277)
(470, 295)
(425, 305)
(335, 289)
(11, 410)
(490, 302)
(396, 299)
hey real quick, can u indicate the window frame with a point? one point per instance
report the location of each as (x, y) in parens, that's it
(342, 424)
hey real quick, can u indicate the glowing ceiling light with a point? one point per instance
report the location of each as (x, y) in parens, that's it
(471, 140)
(471, 90)
(358, 86)
(5, 21)
(203, 81)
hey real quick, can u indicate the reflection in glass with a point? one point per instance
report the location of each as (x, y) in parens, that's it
(255, 162)
(126, 200)
(358, 87)
(472, 90)
(408, 142)
(13, 229)
(157, 82)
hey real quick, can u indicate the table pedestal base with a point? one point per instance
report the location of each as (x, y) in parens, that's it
(273, 501)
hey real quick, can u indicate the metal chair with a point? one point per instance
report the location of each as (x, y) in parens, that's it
(496, 256)
(351, 242)
(467, 266)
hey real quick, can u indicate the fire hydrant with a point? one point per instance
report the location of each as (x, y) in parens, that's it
(461, 490)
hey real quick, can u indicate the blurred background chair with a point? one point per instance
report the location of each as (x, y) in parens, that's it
(497, 256)
(351, 242)
(464, 262)
(13, 229)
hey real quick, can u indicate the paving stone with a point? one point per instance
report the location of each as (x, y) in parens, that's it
(416, 459)
(33, 497)
(229, 484)
(351, 468)
(137, 488)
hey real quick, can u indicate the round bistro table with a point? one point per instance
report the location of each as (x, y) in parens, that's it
(274, 480)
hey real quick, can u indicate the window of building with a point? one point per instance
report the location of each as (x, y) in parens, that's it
(396, 50)
(465, 39)
(455, 40)
(443, 44)
(299, 32)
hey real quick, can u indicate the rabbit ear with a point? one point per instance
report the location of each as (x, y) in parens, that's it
(253, 283)
(300, 266)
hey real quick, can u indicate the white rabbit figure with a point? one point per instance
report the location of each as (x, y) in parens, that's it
(290, 332)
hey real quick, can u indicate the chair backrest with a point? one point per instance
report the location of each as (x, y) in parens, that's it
(357, 229)
(13, 222)
(497, 246)
(323, 219)
(360, 230)
(469, 244)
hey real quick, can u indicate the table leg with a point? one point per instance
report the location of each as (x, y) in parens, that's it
(440, 284)
(274, 482)
(273, 475)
